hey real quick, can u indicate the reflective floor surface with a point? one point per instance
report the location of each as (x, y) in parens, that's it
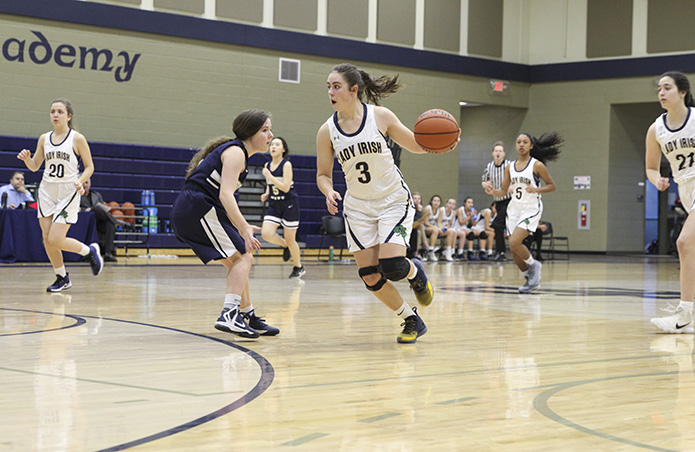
(130, 360)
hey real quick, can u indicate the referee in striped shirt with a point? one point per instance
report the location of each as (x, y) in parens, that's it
(494, 175)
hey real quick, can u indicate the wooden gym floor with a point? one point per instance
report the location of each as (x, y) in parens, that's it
(130, 360)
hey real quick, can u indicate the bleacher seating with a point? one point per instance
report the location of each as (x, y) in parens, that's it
(124, 171)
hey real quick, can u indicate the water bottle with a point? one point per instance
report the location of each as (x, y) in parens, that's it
(331, 253)
(152, 220)
(144, 198)
(152, 202)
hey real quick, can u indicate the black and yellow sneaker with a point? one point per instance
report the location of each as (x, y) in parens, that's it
(421, 285)
(413, 327)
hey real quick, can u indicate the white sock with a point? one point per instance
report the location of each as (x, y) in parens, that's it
(489, 252)
(85, 250)
(247, 309)
(460, 251)
(60, 271)
(686, 305)
(404, 311)
(232, 300)
(529, 261)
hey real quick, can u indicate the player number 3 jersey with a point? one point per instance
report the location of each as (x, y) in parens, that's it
(366, 159)
(678, 146)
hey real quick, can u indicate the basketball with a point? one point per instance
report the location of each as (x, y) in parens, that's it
(117, 214)
(436, 131)
(114, 205)
(129, 211)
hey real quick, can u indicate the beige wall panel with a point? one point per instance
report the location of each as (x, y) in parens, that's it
(442, 25)
(348, 18)
(242, 10)
(670, 26)
(396, 21)
(296, 14)
(485, 27)
(609, 28)
(185, 6)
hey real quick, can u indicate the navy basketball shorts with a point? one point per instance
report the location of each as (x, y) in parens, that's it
(285, 213)
(204, 227)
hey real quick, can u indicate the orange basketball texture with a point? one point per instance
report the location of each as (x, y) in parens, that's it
(128, 210)
(436, 131)
(113, 205)
(117, 214)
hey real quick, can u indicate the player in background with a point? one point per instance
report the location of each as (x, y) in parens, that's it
(60, 190)
(493, 177)
(283, 205)
(525, 208)
(206, 216)
(377, 207)
(673, 134)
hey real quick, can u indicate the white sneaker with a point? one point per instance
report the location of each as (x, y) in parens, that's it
(447, 255)
(534, 275)
(431, 256)
(680, 322)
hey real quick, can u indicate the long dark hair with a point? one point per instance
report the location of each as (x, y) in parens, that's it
(245, 125)
(68, 108)
(682, 83)
(373, 90)
(546, 148)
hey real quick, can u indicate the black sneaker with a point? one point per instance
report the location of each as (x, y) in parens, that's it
(421, 285)
(286, 254)
(483, 255)
(472, 256)
(297, 272)
(413, 327)
(259, 324)
(95, 259)
(231, 321)
(61, 283)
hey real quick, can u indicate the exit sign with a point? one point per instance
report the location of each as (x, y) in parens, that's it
(499, 86)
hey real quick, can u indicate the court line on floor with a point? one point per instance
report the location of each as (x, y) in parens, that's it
(266, 378)
(540, 403)
(78, 321)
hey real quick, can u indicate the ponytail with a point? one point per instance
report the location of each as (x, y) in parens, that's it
(202, 153)
(546, 148)
(372, 90)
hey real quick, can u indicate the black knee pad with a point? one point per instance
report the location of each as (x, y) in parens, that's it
(483, 235)
(471, 236)
(372, 270)
(395, 268)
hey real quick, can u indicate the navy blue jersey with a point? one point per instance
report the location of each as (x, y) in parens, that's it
(206, 178)
(275, 193)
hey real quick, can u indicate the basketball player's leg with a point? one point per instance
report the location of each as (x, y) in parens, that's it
(291, 239)
(270, 235)
(231, 320)
(682, 319)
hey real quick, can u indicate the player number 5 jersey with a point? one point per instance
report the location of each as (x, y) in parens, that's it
(366, 159)
(522, 179)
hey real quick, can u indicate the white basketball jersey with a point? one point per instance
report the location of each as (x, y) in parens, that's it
(447, 220)
(366, 159)
(522, 179)
(678, 146)
(61, 160)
